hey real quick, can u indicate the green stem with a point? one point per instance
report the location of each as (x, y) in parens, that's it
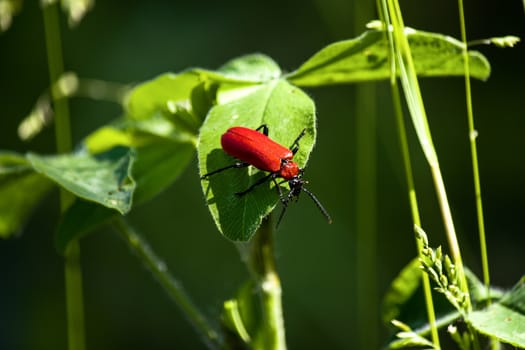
(56, 68)
(417, 111)
(367, 298)
(416, 219)
(74, 297)
(475, 168)
(171, 285)
(414, 208)
(450, 229)
(474, 152)
(72, 272)
(365, 216)
(261, 261)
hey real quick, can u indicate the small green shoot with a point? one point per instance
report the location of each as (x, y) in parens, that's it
(408, 338)
(443, 272)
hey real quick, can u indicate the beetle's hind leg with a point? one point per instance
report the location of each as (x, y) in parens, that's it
(234, 165)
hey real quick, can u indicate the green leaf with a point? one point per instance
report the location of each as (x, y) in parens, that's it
(185, 98)
(287, 111)
(156, 96)
(401, 290)
(81, 218)
(104, 178)
(365, 58)
(408, 338)
(254, 68)
(479, 294)
(20, 191)
(515, 299)
(504, 320)
(242, 315)
(159, 161)
(158, 165)
(203, 97)
(161, 155)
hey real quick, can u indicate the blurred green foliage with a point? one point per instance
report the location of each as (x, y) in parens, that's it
(131, 41)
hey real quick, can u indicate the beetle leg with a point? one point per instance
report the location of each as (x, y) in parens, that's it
(234, 165)
(284, 201)
(259, 182)
(295, 145)
(281, 215)
(264, 128)
(277, 185)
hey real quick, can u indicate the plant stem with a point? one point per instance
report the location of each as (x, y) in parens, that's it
(72, 271)
(475, 168)
(431, 315)
(74, 297)
(417, 111)
(474, 152)
(403, 143)
(171, 285)
(261, 261)
(367, 298)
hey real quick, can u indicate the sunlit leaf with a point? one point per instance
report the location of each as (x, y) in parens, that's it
(155, 96)
(254, 68)
(401, 290)
(365, 58)
(286, 110)
(193, 91)
(104, 178)
(159, 161)
(504, 320)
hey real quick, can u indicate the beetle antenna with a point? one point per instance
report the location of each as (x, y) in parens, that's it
(281, 215)
(319, 205)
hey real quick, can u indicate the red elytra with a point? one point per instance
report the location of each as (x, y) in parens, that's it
(255, 148)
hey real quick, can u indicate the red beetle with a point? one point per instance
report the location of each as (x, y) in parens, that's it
(254, 148)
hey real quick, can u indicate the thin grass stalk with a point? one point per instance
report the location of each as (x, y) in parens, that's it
(367, 297)
(412, 197)
(366, 215)
(475, 168)
(403, 143)
(72, 267)
(416, 107)
(474, 152)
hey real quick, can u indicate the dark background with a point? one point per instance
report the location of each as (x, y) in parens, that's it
(132, 41)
